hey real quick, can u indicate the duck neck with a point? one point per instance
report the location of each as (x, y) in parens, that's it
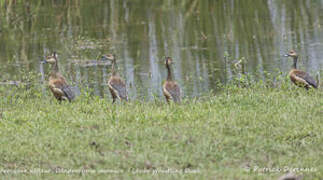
(114, 67)
(295, 63)
(54, 68)
(169, 73)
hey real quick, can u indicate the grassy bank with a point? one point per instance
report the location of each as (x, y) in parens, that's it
(234, 134)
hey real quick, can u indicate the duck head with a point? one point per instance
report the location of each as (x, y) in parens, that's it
(52, 59)
(292, 54)
(168, 61)
(110, 57)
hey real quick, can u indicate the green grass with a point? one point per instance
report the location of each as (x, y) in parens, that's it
(218, 136)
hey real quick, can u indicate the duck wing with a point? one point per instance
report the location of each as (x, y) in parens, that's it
(60, 88)
(119, 86)
(304, 76)
(68, 91)
(174, 90)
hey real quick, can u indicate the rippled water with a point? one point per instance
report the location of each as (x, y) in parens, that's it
(196, 33)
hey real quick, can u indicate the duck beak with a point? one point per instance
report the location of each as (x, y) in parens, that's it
(43, 61)
(286, 55)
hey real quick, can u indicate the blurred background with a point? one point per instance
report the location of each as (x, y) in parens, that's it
(204, 38)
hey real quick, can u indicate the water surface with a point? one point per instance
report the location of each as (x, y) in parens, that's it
(204, 38)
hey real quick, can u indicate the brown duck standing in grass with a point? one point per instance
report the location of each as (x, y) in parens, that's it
(57, 83)
(298, 77)
(170, 88)
(116, 85)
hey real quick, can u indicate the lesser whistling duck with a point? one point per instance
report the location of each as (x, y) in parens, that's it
(171, 89)
(298, 77)
(116, 85)
(57, 83)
